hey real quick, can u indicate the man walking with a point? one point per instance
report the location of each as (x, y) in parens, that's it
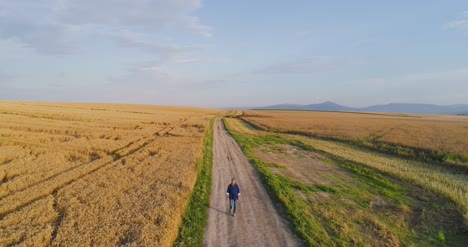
(233, 193)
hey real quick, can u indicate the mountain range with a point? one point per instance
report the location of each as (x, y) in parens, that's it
(459, 109)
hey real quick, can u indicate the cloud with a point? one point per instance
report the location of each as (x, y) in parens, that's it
(47, 25)
(158, 74)
(193, 24)
(460, 25)
(19, 23)
(186, 60)
(152, 15)
(303, 66)
(129, 38)
(155, 70)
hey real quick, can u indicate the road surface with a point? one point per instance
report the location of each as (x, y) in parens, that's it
(256, 222)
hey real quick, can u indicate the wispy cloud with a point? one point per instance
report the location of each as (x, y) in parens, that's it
(133, 39)
(302, 66)
(46, 25)
(140, 14)
(193, 24)
(460, 24)
(186, 60)
(46, 36)
(160, 74)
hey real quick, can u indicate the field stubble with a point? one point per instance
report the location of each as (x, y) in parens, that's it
(96, 174)
(431, 133)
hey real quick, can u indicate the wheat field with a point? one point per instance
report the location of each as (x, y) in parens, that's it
(96, 174)
(433, 132)
(445, 181)
(430, 132)
(331, 203)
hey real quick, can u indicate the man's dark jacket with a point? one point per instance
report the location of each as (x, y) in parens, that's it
(233, 192)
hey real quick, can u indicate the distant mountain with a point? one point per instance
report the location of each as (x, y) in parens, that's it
(282, 107)
(328, 106)
(325, 106)
(388, 108)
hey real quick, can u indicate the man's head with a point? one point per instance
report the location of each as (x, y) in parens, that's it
(233, 181)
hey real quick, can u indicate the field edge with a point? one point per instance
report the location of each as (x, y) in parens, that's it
(372, 142)
(195, 219)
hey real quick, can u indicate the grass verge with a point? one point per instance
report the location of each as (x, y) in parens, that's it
(194, 221)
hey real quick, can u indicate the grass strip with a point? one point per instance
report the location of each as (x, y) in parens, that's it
(195, 219)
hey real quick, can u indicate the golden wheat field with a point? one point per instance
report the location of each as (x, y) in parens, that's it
(431, 132)
(96, 174)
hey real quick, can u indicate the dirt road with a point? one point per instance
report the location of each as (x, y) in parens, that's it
(256, 223)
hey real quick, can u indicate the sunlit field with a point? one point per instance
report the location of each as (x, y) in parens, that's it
(440, 137)
(96, 174)
(342, 192)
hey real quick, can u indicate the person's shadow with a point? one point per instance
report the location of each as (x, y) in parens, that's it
(220, 211)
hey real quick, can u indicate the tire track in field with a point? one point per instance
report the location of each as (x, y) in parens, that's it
(257, 222)
(23, 142)
(58, 221)
(166, 130)
(47, 178)
(25, 197)
(114, 154)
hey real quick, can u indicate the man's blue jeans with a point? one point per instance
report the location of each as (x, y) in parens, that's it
(232, 203)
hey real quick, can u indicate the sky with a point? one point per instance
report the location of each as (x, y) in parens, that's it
(217, 53)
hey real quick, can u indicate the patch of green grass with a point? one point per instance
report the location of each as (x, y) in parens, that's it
(194, 221)
(249, 125)
(278, 166)
(371, 177)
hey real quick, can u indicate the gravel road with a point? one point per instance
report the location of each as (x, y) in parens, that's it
(256, 223)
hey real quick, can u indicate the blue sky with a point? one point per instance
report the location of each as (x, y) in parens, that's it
(234, 53)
